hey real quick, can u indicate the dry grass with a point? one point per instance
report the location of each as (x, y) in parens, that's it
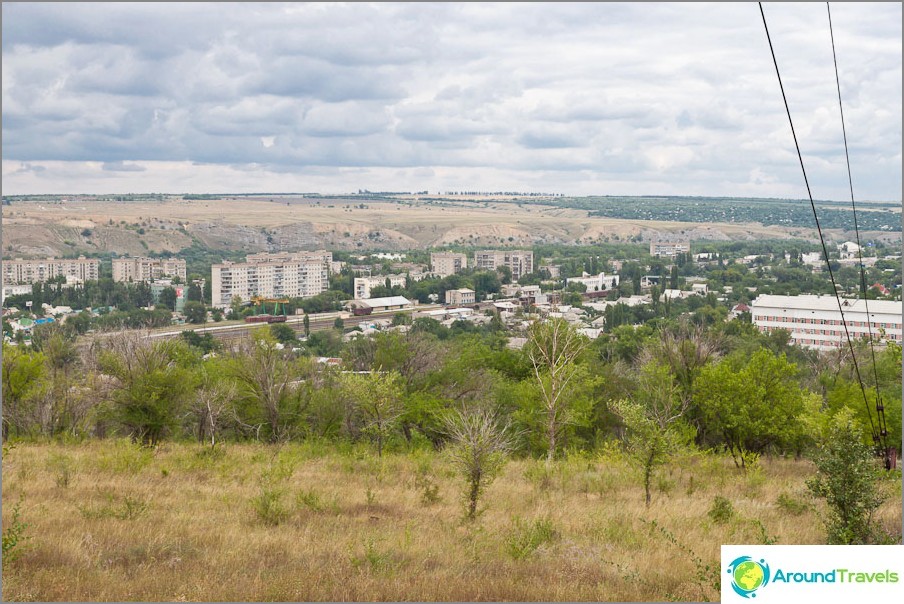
(173, 524)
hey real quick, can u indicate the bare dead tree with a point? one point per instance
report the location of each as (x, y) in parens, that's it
(553, 348)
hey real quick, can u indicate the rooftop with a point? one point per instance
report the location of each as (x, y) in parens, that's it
(826, 303)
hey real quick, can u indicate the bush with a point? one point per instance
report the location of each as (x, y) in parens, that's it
(268, 506)
(13, 537)
(721, 511)
(526, 537)
(846, 477)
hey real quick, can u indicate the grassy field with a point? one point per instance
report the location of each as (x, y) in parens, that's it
(107, 520)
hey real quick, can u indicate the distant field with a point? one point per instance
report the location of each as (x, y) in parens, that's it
(110, 521)
(139, 227)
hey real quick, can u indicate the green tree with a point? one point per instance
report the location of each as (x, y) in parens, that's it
(553, 348)
(149, 387)
(23, 373)
(283, 333)
(307, 325)
(338, 323)
(377, 398)
(195, 312)
(167, 298)
(752, 404)
(847, 478)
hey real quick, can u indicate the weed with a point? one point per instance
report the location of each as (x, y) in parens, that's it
(61, 467)
(765, 538)
(526, 537)
(425, 483)
(707, 576)
(791, 505)
(372, 559)
(371, 497)
(310, 500)
(268, 506)
(14, 536)
(721, 511)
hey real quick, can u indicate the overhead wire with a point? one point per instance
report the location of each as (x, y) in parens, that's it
(880, 408)
(822, 241)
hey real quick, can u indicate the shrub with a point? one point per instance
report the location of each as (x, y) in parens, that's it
(721, 511)
(846, 477)
(526, 537)
(14, 536)
(791, 504)
(268, 506)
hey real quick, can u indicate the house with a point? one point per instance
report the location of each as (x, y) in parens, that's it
(459, 297)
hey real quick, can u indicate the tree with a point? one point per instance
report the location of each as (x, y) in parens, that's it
(212, 402)
(307, 325)
(651, 420)
(167, 298)
(283, 333)
(377, 398)
(194, 294)
(148, 384)
(23, 372)
(553, 348)
(338, 323)
(268, 382)
(478, 449)
(195, 312)
(846, 477)
(752, 404)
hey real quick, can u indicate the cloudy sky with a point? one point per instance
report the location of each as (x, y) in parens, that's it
(580, 99)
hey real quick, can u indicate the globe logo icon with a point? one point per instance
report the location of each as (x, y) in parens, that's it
(748, 575)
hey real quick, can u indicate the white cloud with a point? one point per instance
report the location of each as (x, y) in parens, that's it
(577, 98)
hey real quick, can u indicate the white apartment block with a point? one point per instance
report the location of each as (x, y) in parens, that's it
(459, 297)
(147, 269)
(363, 285)
(38, 271)
(447, 263)
(815, 321)
(520, 262)
(669, 249)
(285, 275)
(595, 283)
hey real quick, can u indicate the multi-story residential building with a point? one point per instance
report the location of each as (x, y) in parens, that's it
(285, 275)
(363, 285)
(669, 249)
(447, 263)
(815, 321)
(459, 297)
(595, 283)
(521, 262)
(75, 270)
(147, 269)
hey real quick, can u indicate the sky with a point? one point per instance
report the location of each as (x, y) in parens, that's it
(577, 99)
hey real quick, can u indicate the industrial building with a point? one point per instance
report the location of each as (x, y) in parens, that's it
(815, 321)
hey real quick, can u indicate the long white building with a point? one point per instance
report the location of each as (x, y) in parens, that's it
(815, 321)
(363, 285)
(595, 283)
(296, 275)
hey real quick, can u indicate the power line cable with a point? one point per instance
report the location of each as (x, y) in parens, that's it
(825, 251)
(880, 408)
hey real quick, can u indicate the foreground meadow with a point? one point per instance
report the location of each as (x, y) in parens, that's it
(107, 520)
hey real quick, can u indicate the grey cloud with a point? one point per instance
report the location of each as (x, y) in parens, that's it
(119, 166)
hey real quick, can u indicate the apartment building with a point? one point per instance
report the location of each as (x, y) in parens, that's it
(815, 321)
(283, 275)
(521, 262)
(75, 270)
(595, 283)
(460, 297)
(447, 263)
(669, 249)
(148, 269)
(363, 285)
